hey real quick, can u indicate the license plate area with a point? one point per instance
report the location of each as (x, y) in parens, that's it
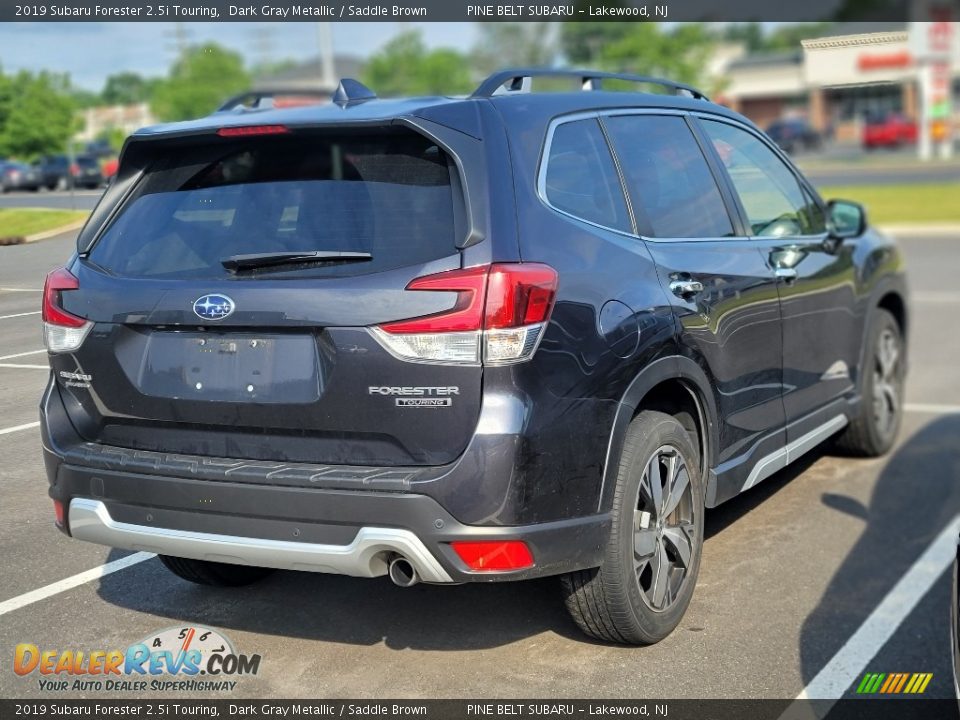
(232, 367)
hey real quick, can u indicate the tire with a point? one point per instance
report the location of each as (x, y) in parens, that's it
(204, 572)
(874, 429)
(618, 602)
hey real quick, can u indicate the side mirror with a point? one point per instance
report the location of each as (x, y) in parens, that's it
(846, 219)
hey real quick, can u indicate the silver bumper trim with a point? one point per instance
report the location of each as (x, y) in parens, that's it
(366, 556)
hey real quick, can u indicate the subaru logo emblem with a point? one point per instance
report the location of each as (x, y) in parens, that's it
(213, 307)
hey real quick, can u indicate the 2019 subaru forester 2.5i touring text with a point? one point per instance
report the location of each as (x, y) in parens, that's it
(447, 340)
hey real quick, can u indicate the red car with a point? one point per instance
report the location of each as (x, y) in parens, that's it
(889, 131)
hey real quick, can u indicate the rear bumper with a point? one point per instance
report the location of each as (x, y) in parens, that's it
(342, 532)
(366, 556)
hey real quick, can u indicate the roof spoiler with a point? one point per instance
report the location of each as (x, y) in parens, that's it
(348, 92)
(265, 99)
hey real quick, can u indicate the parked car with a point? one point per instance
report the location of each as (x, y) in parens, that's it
(794, 135)
(890, 131)
(58, 172)
(450, 340)
(18, 176)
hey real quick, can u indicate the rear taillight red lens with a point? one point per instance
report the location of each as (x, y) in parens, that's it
(75, 170)
(62, 331)
(519, 295)
(249, 130)
(498, 318)
(58, 513)
(467, 314)
(58, 281)
(494, 556)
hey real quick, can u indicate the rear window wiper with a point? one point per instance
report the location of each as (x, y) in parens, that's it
(261, 260)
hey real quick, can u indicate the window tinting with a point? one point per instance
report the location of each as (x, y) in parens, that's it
(669, 179)
(390, 194)
(775, 204)
(581, 178)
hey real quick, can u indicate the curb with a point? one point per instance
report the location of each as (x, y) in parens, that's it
(922, 229)
(47, 234)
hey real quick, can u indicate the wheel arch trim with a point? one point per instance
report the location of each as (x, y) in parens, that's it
(672, 367)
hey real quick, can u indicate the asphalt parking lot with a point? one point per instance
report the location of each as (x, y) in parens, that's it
(829, 569)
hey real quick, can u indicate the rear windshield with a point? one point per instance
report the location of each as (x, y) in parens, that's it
(393, 194)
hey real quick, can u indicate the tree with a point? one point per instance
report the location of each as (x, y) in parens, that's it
(513, 44)
(749, 33)
(404, 66)
(583, 42)
(679, 53)
(127, 88)
(202, 78)
(36, 114)
(786, 36)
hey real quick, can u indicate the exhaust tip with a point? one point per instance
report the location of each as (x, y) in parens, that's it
(402, 573)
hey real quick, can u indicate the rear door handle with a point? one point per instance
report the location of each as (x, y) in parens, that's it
(686, 288)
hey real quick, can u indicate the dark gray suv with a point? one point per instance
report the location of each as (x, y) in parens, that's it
(454, 340)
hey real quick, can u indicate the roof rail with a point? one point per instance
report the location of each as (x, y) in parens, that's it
(514, 80)
(263, 99)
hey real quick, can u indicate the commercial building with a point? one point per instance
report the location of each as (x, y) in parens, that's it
(835, 81)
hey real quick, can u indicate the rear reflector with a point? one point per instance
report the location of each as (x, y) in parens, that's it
(58, 512)
(62, 331)
(248, 130)
(492, 556)
(498, 318)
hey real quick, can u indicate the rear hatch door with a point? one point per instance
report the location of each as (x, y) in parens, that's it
(212, 338)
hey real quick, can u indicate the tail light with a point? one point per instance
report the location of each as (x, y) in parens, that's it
(498, 319)
(74, 170)
(62, 331)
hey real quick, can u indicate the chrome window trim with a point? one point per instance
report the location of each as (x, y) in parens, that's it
(545, 161)
(599, 115)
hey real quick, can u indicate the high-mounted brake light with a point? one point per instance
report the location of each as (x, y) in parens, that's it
(62, 331)
(499, 316)
(249, 130)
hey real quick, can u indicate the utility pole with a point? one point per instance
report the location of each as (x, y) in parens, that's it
(178, 39)
(325, 38)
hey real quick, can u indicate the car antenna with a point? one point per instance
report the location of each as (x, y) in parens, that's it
(352, 92)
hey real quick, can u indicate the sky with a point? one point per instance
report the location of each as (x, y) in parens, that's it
(91, 51)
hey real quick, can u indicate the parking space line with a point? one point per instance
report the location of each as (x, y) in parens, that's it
(28, 598)
(932, 408)
(9, 289)
(16, 315)
(23, 354)
(935, 297)
(21, 365)
(16, 428)
(844, 668)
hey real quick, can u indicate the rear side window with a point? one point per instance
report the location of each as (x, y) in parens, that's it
(393, 194)
(669, 180)
(581, 179)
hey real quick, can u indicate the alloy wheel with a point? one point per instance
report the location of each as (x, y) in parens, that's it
(886, 382)
(664, 535)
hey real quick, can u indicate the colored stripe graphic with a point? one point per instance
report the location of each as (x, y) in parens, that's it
(894, 683)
